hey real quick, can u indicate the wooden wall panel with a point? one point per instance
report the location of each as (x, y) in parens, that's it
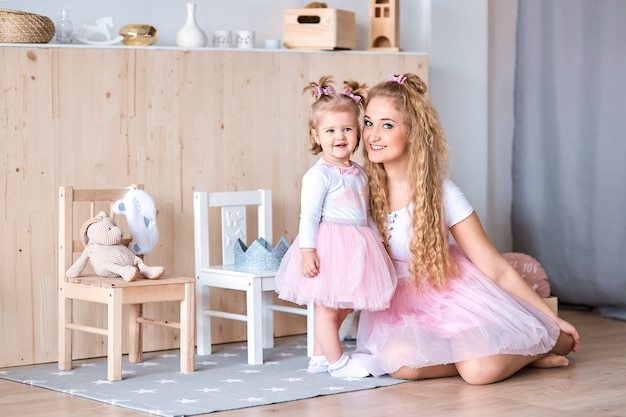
(175, 120)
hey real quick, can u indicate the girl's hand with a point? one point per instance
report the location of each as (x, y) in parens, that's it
(310, 266)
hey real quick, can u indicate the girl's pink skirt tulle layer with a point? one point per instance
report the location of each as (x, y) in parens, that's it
(471, 318)
(355, 270)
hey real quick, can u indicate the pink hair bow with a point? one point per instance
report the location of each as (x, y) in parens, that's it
(349, 93)
(321, 91)
(397, 78)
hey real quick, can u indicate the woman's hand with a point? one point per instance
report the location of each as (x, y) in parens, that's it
(569, 329)
(310, 266)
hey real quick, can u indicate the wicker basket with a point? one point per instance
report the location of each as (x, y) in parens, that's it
(22, 27)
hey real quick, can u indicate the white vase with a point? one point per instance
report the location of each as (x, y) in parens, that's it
(190, 35)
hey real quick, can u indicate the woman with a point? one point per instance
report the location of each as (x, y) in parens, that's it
(461, 308)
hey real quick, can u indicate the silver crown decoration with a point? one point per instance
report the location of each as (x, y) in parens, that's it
(260, 254)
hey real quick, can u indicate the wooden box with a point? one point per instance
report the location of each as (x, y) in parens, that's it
(319, 28)
(553, 303)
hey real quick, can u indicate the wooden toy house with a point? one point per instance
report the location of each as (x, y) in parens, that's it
(384, 25)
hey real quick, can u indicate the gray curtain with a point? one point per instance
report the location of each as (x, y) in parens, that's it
(569, 147)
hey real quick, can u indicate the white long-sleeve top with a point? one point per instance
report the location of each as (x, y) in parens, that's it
(335, 193)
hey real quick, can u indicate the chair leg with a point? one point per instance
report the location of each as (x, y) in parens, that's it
(268, 320)
(254, 300)
(187, 330)
(65, 334)
(114, 342)
(135, 334)
(310, 329)
(203, 321)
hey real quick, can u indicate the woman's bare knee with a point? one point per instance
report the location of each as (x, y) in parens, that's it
(476, 372)
(490, 369)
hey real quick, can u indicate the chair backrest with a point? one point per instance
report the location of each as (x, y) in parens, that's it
(91, 201)
(233, 206)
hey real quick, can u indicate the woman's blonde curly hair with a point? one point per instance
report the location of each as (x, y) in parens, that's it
(350, 99)
(428, 167)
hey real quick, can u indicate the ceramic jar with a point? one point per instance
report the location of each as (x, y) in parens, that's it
(190, 35)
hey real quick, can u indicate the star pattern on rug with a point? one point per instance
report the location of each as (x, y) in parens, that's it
(166, 381)
(291, 379)
(231, 381)
(221, 381)
(332, 388)
(229, 355)
(63, 373)
(116, 402)
(158, 412)
(250, 371)
(73, 391)
(253, 399)
(144, 391)
(274, 389)
(102, 382)
(167, 355)
(33, 382)
(186, 401)
(209, 390)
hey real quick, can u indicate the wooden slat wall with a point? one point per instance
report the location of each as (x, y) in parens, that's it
(174, 120)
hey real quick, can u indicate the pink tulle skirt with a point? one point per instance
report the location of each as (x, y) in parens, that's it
(471, 318)
(355, 270)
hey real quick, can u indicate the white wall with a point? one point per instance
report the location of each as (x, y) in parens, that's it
(502, 29)
(264, 17)
(472, 62)
(458, 78)
(472, 52)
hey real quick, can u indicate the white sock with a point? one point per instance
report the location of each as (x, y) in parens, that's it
(318, 365)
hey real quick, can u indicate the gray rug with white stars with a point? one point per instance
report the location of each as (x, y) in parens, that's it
(222, 381)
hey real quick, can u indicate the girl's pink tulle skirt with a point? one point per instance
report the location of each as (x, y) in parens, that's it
(471, 318)
(355, 270)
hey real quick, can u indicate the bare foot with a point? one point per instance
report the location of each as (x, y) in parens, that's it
(551, 360)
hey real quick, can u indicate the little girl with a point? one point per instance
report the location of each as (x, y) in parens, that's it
(337, 260)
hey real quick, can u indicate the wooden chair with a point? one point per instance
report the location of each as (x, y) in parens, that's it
(259, 285)
(114, 292)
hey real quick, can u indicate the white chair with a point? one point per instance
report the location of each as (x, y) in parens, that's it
(259, 285)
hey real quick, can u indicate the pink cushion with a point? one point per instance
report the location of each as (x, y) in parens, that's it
(532, 272)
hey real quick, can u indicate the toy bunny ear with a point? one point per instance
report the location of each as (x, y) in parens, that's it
(83, 229)
(119, 207)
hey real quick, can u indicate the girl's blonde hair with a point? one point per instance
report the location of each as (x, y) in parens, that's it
(428, 167)
(350, 99)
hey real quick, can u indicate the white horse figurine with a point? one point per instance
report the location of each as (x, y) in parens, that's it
(100, 29)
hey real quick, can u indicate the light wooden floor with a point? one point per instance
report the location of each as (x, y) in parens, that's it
(593, 385)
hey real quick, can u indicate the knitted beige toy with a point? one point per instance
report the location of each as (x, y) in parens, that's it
(108, 257)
